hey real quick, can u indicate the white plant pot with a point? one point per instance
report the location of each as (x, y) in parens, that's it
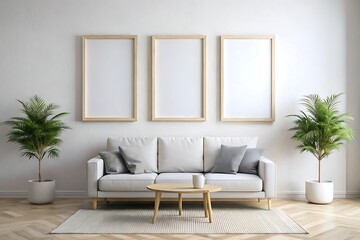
(41, 192)
(319, 192)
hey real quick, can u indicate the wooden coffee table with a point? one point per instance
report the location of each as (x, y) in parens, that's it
(180, 189)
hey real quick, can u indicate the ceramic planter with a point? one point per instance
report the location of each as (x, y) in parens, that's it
(319, 192)
(41, 192)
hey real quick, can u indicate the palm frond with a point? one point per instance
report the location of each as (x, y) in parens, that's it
(320, 128)
(38, 131)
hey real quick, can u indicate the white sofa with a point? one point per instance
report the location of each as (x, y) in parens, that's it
(175, 160)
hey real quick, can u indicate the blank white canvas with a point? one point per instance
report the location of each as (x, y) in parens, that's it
(109, 78)
(247, 78)
(178, 74)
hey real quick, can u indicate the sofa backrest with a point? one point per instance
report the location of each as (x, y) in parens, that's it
(212, 147)
(147, 146)
(180, 154)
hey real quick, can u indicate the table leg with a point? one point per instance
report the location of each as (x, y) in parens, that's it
(208, 201)
(180, 204)
(205, 205)
(94, 203)
(156, 206)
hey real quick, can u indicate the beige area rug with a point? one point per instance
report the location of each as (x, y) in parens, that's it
(226, 219)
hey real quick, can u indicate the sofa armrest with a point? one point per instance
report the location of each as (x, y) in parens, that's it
(95, 170)
(267, 172)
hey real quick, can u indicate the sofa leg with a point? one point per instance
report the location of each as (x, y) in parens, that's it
(94, 203)
(269, 203)
(258, 199)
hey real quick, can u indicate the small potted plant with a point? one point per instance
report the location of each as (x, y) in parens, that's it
(320, 129)
(38, 133)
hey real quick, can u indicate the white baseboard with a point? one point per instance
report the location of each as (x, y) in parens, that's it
(13, 194)
(353, 195)
(58, 194)
(298, 194)
(71, 194)
(83, 194)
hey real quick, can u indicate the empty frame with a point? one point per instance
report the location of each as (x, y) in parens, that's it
(179, 78)
(109, 78)
(247, 78)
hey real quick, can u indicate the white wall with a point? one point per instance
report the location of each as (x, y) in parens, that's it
(353, 96)
(40, 49)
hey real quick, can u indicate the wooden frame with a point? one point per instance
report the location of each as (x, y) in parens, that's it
(247, 78)
(109, 78)
(179, 78)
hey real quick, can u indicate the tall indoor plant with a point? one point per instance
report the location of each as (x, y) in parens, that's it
(320, 129)
(38, 133)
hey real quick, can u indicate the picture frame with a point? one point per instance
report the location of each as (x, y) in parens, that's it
(109, 78)
(178, 78)
(247, 78)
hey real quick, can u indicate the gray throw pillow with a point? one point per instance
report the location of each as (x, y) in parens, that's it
(251, 159)
(229, 159)
(133, 159)
(114, 162)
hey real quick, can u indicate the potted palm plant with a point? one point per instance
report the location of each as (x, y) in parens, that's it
(320, 129)
(38, 133)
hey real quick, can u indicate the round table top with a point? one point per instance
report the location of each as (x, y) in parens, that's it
(182, 188)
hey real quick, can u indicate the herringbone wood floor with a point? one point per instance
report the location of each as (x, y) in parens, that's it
(339, 220)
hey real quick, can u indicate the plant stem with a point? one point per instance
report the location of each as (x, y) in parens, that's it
(319, 170)
(39, 172)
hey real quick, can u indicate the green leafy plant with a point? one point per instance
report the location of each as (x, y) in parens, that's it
(38, 132)
(321, 129)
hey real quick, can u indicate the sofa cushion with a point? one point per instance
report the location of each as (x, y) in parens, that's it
(185, 178)
(114, 162)
(212, 147)
(180, 154)
(250, 162)
(133, 158)
(147, 146)
(239, 182)
(126, 182)
(229, 159)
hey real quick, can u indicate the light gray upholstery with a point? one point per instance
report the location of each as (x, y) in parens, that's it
(133, 158)
(95, 170)
(229, 159)
(212, 147)
(237, 185)
(250, 162)
(147, 146)
(126, 182)
(235, 182)
(185, 178)
(267, 172)
(180, 154)
(114, 162)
